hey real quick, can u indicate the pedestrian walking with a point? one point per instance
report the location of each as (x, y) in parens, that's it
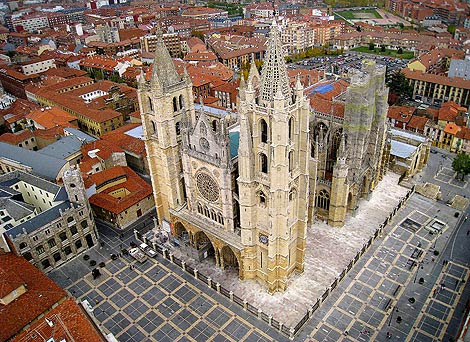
(389, 336)
(346, 333)
(468, 232)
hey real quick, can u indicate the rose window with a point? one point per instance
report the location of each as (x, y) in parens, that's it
(207, 187)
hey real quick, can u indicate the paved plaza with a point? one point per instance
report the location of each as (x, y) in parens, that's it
(383, 292)
(333, 249)
(156, 301)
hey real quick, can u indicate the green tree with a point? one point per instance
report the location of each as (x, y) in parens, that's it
(399, 85)
(382, 48)
(371, 46)
(400, 51)
(401, 25)
(461, 164)
(451, 29)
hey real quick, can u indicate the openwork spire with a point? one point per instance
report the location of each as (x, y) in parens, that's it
(274, 76)
(164, 71)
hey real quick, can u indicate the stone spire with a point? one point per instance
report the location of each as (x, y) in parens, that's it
(164, 72)
(274, 73)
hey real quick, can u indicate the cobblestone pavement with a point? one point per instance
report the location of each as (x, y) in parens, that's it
(156, 301)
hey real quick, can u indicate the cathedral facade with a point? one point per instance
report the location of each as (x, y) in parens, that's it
(244, 189)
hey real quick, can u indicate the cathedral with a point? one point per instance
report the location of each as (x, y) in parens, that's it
(246, 189)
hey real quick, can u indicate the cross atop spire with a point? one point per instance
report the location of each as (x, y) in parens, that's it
(274, 76)
(164, 71)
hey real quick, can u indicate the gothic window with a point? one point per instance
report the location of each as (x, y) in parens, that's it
(333, 150)
(213, 217)
(181, 101)
(219, 218)
(292, 194)
(262, 198)
(323, 200)
(264, 131)
(263, 161)
(207, 187)
(291, 128)
(175, 105)
(154, 127)
(23, 245)
(150, 104)
(206, 211)
(199, 208)
(203, 128)
(312, 149)
(51, 243)
(291, 161)
(40, 249)
(214, 125)
(177, 128)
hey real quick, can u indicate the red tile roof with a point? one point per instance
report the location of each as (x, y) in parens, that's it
(401, 113)
(41, 294)
(138, 189)
(118, 137)
(16, 138)
(70, 321)
(417, 122)
(51, 116)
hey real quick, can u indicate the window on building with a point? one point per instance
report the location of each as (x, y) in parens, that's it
(63, 236)
(57, 257)
(40, 249)
(68, 250)
(45, 263)
(263, 163)
(28, 256)
(175, 105)
(23, 245)
(73, 230)
(35, 238)
(264, 131)
(262, 198)
(78, 244)
(70, 219)
(84, 224)
(52, 243)
(291, 161)
(177, 128)
(291, 128)
(323, 200)
(181, 101)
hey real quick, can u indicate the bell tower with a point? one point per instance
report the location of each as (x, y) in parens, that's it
(273, 174)
(164, 100)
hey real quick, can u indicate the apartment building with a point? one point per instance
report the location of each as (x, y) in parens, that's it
(47, 224)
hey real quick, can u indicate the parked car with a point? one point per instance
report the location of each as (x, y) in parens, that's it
(148, 250)
(137, 254)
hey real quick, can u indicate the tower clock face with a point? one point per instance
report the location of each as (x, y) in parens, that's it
(204, 143)
(207, 187)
